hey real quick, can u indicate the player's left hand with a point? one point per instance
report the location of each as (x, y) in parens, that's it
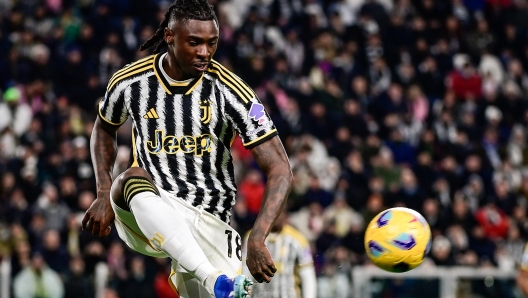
(259, 262)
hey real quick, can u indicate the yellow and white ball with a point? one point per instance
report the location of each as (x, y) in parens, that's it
(398, 239)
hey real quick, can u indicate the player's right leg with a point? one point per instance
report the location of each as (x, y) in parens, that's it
(165, 229)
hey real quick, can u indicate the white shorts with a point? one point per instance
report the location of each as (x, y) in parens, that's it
(220, 243)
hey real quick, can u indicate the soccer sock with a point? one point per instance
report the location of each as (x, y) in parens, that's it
(166, 229)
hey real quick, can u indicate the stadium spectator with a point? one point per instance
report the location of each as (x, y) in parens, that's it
(138, 283)
(76, 282)
(55, 256)
(38, 280)
(251, 189)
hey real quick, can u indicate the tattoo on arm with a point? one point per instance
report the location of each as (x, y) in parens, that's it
(103, 149)
(273, 161)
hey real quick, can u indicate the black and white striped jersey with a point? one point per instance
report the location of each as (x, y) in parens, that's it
(183, 131)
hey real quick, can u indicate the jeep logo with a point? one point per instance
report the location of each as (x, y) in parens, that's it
(186, 144)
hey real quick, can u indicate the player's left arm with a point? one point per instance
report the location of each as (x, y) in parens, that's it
(250, 119)
(273, 161)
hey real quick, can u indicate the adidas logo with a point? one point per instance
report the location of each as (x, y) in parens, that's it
(151, 114)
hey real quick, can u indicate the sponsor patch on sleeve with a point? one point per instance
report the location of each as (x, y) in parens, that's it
(257, 113)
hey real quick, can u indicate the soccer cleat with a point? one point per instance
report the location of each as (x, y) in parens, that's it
(238, 287)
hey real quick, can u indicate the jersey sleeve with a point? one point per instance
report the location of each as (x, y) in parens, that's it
(304, 254)
(303, 249)
(112, 108)
(251, 121)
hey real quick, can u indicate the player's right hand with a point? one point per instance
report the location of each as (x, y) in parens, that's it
(99, 216)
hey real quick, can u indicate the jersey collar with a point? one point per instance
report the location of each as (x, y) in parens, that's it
(174, 88)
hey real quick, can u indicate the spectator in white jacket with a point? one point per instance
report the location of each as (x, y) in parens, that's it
(15, 119)
(38, 281)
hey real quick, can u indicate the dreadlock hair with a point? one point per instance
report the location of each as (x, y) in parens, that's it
(180, 10)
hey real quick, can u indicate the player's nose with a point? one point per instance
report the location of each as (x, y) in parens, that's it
(202, 52)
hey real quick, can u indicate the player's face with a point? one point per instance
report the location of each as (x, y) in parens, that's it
(192, 44)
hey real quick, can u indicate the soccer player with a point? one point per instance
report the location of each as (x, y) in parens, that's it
(175, 200)
(291, 253)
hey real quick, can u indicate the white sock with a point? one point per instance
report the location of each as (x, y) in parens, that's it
(154, 216)
(210, 281)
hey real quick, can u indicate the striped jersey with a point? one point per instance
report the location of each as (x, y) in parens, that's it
(289, 250)
(183, 131)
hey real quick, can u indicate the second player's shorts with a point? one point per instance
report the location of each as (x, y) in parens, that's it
(220, 243)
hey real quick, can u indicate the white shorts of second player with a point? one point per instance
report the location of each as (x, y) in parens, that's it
(220, 243)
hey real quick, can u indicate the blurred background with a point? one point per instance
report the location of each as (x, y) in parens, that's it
(379, 103)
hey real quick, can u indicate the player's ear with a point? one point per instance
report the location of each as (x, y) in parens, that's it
(168, 35)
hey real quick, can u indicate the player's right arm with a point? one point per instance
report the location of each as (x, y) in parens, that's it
(103, 148)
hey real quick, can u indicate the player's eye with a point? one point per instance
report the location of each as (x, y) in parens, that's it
(193, 43)
(212, 43)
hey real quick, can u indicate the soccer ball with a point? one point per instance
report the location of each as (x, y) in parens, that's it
(398, 239)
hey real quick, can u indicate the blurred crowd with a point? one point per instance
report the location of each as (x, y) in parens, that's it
(379, 103)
